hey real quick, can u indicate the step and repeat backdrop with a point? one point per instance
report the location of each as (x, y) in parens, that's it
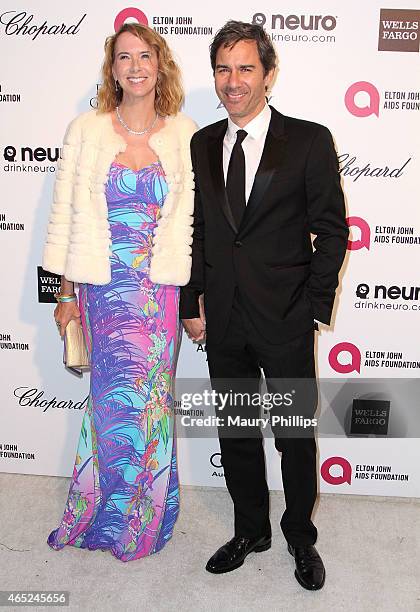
(353, 66)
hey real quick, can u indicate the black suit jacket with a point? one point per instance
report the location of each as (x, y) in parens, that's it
(284, 282)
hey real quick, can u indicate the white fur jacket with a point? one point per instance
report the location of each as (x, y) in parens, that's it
(79, 240)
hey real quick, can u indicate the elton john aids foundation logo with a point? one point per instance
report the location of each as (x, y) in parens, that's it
(356, 97)
(344, 469)
(363, 242)
(348, 366)
(130, 13)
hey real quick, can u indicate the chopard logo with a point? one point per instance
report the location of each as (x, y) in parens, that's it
(35, 399)
(349, 166)
(20, 22)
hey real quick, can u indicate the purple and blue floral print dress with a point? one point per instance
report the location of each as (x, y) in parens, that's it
(124, 494)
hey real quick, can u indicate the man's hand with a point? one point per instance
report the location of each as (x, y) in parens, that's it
(195, 329)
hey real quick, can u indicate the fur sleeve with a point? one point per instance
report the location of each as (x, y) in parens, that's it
(171, 253)
(58, 230)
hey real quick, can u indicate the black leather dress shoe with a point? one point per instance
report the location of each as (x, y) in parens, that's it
(310, 571)
(231, 556)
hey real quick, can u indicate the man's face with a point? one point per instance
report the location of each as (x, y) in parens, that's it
(240, 82)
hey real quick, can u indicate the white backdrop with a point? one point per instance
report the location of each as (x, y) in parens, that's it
(331, 72)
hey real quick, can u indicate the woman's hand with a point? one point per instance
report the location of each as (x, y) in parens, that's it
(63, 313)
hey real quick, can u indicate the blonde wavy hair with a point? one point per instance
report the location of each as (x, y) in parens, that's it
(169, 92)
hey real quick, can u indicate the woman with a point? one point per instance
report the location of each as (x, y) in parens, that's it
(125, 176)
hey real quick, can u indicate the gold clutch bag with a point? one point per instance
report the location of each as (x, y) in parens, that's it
(75, 353)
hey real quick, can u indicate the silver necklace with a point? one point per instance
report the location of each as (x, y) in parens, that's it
(125, 126)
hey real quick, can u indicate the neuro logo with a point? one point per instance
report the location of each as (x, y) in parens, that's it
(345, 475)
(345, 368)
(259, 19)
(364, 240)
(39, 154)
(18, 158)
(362, 291)
(127, 13)
(355, 108)
(293, 22)
(9, 153)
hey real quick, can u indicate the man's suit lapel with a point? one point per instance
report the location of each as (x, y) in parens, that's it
(215, 153)
(271, 160)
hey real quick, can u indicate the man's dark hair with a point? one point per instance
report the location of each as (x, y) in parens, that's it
(235, 31)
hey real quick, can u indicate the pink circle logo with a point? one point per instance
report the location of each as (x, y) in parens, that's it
(345, 475)
(346, 368)
(364, 241)
(362, 111)
(126, 13)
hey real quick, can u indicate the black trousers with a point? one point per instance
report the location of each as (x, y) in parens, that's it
(235, 365)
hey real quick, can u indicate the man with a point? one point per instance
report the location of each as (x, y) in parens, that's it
(264, 184)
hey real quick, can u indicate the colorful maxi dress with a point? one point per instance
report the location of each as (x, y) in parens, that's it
(124, 490)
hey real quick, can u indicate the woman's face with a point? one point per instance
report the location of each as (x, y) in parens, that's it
(135, 67)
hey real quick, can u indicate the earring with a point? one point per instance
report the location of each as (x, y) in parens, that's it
(117, 85)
